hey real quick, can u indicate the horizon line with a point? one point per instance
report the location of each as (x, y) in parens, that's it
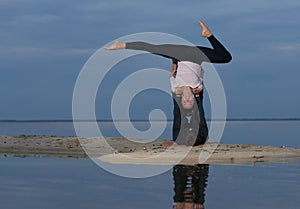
(143, 120)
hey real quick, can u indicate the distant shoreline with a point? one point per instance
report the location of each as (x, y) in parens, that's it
(169, 120)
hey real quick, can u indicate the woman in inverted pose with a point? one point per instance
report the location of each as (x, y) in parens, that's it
(192, 57)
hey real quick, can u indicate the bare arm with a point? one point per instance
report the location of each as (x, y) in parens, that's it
(174, 68)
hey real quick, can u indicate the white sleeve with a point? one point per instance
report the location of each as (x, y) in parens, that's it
(173, 83)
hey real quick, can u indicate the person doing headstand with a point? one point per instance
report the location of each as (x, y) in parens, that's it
(186, 80)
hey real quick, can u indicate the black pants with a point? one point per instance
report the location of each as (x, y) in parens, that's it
(196, 54)
(193, 132)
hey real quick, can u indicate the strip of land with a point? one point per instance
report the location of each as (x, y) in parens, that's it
(137, 151)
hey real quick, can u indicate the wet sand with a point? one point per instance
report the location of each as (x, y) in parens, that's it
(136, 151)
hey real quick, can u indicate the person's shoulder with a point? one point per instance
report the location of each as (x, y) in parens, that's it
(189, 64)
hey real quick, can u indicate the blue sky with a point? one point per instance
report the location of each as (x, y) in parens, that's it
(45, 43)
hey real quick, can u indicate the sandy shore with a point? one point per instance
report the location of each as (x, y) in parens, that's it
(134, 151)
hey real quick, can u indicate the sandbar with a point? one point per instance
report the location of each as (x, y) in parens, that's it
(124, 150)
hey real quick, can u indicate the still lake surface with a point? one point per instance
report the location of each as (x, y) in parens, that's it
(46, 183)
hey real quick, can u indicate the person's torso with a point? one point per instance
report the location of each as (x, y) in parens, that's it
(189, 74)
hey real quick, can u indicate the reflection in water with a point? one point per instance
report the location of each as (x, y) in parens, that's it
(189, 186)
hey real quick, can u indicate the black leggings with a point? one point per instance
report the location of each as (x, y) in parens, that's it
(196, 54)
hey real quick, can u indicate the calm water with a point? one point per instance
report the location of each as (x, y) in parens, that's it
(37, 183)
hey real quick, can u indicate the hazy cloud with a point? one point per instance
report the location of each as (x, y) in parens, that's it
(33, 52)
(287, 47)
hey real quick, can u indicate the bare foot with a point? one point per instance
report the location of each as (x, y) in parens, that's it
(205, 31)
(116, 45)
